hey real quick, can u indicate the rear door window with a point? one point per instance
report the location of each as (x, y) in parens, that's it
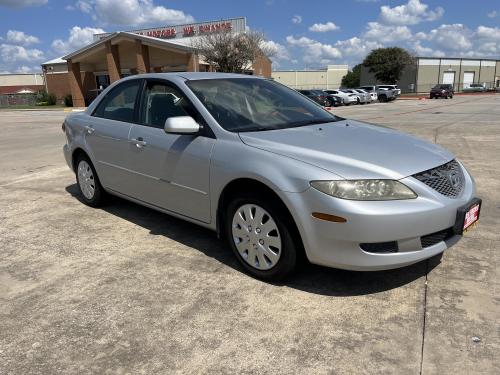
(120, 103)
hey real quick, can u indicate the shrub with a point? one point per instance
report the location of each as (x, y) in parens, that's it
(43, 98)
(68, 101)
(52, 100)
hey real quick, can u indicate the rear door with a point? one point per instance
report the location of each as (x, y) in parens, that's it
(107, 131)
(170, 171)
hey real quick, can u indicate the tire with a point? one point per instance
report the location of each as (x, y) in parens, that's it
(270, 256)
(382, 98)
(328, 103)
(89, 186)
(451, 96)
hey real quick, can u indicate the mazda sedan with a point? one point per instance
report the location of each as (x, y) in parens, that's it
(272, 172)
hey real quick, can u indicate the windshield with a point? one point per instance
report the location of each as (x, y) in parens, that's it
(250, 104)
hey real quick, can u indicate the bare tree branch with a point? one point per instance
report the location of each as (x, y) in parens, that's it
(232, 52)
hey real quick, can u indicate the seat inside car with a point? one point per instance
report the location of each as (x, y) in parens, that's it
(162, 106)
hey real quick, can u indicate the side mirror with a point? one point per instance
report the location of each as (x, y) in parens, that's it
(181, 125)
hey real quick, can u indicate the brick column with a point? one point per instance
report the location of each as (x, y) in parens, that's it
(75, 84)
(113, 61)
(193, 63)
(142, 57)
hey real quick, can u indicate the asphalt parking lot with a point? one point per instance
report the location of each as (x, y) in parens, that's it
(127, 290)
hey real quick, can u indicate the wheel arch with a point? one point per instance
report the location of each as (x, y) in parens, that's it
(75, 154)
(240, 185)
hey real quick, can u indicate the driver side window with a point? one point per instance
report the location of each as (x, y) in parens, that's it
(161, 101)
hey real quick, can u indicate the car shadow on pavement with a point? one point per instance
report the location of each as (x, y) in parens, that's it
(308, 277)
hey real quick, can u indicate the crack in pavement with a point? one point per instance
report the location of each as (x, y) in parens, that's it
(425, 314)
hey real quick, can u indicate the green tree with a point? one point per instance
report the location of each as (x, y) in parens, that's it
(352, 78)
(388, 63)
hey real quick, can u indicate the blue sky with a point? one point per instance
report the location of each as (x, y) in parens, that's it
(303, 34)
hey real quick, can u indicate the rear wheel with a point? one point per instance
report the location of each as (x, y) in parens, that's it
(88, 183)
(260, 235)
(382, 98)
(328, 103)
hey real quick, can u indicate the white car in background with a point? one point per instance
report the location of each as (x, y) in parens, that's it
(361, 98)
(347, 98)
(373, 94)
(365, 94)
(395, 89)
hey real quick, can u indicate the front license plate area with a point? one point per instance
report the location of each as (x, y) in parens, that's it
(467, 216)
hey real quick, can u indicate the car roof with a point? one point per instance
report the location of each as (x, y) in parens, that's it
(193, 76)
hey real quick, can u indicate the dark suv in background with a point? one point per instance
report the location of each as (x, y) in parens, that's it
(442, 91)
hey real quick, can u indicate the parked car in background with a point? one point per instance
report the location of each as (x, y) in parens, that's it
(442, 91)
(395, 89)
(475, 87)
(361, 99)
(318, 96)
(373, 94)
(335, 100)
(347, 98)
(384, 94)
(270, 171)
(364, 94)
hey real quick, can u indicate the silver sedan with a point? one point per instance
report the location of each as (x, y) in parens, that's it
(272, 172)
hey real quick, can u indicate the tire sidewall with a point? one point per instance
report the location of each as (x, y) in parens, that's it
(97, 199)
(288, 258)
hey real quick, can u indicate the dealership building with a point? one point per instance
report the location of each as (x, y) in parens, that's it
(323, 79)
(459, 72)
(112, 56)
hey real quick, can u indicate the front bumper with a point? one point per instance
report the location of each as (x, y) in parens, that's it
(406, 221)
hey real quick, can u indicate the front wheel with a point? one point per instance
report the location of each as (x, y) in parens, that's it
(88, 183)
(260, 235)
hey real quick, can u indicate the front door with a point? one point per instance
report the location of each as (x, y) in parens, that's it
(170, 171)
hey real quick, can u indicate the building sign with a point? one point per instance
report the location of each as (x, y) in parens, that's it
(189, 30)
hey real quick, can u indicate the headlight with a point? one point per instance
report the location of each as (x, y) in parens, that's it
(365, 190)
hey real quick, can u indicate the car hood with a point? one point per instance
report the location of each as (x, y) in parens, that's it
(352, 149)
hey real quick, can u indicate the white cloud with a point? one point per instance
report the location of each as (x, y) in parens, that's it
(22, 3)
(455, 37)
(492, 14)
(28, 69)
(356, 47)
(411, 13)
(78, 37)
(11, 53)
(297, 19)
(19, 37)
(84, 6)
(323, 27)
(386, 34)
(134, 12)
(314, 51)
(279, 51)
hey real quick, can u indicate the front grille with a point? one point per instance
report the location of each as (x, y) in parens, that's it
(434, 238)
(380, 247)
(447, 179)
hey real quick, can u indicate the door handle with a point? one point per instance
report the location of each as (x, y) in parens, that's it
(139, 142)
(89, 129)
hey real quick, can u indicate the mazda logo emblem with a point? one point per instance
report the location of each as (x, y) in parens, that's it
(454, 179)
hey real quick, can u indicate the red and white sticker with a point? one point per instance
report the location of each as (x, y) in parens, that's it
(471, 216)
